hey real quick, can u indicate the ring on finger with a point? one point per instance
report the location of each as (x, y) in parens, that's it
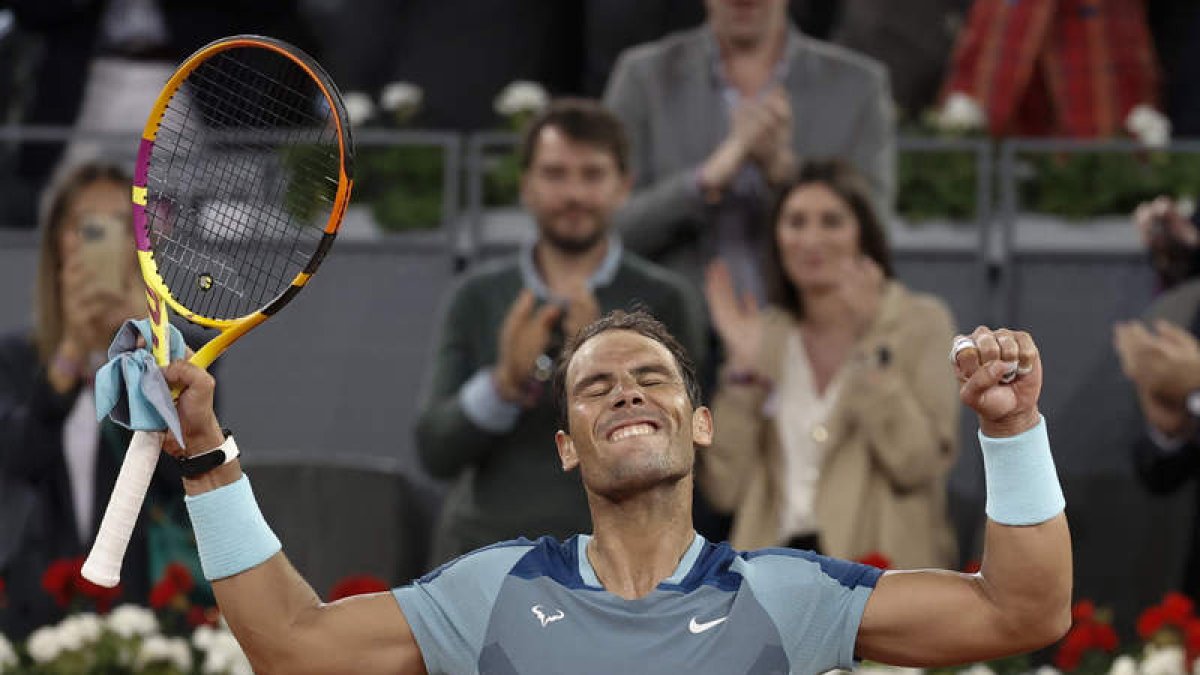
(960, 343)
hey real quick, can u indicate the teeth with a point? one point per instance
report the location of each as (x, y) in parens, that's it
(633, 430)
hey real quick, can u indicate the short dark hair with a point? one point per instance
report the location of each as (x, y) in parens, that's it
(582, 120)
(639, 321)
(852, 188)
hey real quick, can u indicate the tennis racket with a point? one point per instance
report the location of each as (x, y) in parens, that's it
(243, 173)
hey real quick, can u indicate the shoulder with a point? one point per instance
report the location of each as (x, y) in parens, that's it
(839, 61)
(636, 269)
(904, 305)
(495, 560)
(487, 279)
(775, 566)
(674, 48)
(18, 350)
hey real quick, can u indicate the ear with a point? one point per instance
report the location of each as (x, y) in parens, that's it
(702, 427)
(566, 450)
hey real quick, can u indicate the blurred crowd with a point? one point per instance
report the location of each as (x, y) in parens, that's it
(728, 165)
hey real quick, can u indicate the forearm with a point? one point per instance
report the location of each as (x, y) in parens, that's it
(448, 441)
(655, 213)
(909, 425)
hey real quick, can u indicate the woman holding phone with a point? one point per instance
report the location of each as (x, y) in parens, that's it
(57, 463)
(836, 412)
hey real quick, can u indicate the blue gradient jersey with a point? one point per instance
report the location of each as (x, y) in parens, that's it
(528, 608)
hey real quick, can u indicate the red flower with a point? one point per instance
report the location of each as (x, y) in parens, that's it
(1083, 611)
(1071, 650)
(202, 616)
(356, 585)
(972, 566)
(1176, 608)
(58, 580)
(1150, 622)
(162, 594)
(104, 598)
(1104, 637)
(876, 559)
(179, 576)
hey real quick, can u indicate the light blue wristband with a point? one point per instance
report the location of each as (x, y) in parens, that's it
(231, 533)
(1022, 485)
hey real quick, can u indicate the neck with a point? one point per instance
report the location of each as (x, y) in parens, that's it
(638, 542)
(562, 270)
(748, 63)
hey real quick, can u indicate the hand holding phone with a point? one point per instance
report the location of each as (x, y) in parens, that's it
(106, 249)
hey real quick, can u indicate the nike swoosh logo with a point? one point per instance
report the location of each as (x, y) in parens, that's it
(696, 627)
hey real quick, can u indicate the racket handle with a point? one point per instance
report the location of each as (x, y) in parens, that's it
(103, 564)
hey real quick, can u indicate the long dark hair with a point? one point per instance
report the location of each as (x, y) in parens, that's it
(851, 187)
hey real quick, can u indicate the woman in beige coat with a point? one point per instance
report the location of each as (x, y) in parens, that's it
(837, 413)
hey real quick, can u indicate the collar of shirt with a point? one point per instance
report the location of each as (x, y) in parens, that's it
(603, 276)
(779, 74)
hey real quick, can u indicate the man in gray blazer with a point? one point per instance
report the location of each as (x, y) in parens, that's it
(719, 114)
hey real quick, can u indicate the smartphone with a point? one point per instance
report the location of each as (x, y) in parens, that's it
(105, 249)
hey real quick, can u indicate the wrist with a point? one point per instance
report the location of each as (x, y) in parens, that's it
(505, 385)
(223, 475)
(1012, 425)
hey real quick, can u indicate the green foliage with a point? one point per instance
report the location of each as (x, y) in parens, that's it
(501, 180)
(1084, 185)
(939, 184)
(403, 185)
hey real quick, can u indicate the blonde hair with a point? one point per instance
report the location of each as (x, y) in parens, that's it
(56, 203)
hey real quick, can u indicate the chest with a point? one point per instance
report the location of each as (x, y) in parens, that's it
(538, 626)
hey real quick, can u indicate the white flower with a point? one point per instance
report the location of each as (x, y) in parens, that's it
(402, 100)
(86, 627)
(225, 655)
(130, 620)
(43, 645)
(1167, 660)
(960, 113)
(8, 656)
(172, 651)
(359, 107)
(1124, 665)
(1196, 667)
(521, 97)
(978, 669)
(1047, 670)
(202, 637)
(1149, 126)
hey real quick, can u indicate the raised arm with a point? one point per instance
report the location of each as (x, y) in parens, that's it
(1020, 599)
(278, 619)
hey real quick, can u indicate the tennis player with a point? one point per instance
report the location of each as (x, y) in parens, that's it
(643, 593)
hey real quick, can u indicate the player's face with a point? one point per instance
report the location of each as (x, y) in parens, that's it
(745, 21)
(817, 234)
(630, 422)
(572, 189)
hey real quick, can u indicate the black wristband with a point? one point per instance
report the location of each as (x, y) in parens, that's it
(198, 465)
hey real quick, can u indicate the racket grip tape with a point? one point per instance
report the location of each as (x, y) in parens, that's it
(103, 564)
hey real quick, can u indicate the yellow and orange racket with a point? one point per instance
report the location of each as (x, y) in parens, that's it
(243, 174)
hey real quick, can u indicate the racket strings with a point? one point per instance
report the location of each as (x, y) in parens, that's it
(245, 163)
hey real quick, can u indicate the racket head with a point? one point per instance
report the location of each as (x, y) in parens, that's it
(244, 171)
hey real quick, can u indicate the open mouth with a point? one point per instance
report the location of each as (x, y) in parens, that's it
(632, 429)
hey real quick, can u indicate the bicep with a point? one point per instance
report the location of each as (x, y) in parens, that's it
(361, 634)
(929, 618)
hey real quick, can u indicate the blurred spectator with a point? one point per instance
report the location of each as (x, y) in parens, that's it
(487, 419)
(719, 114)
(1175, 25)
(104, 61)
(913, 44)
(837, 413)
(58, 464)
(612, 25)
(1075, 68)
(1162, 360)
(1171, 237)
